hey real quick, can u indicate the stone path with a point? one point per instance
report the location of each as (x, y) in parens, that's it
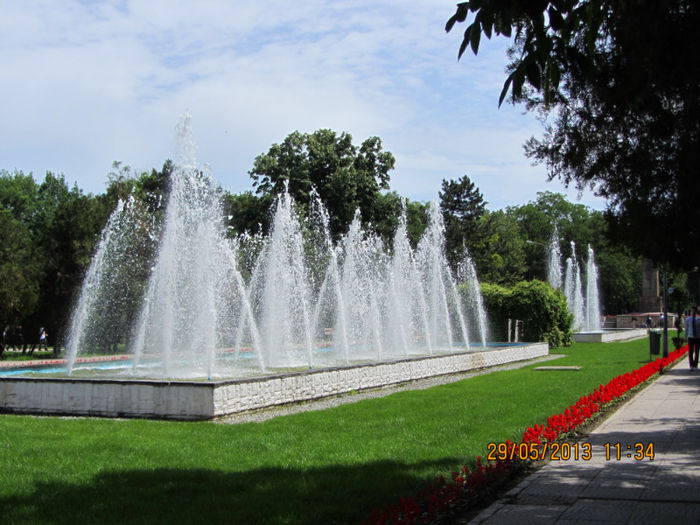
(665, 416)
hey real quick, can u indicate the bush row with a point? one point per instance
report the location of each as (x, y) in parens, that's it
(542, 310)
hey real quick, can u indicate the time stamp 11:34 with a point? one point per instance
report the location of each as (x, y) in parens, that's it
(569, 451)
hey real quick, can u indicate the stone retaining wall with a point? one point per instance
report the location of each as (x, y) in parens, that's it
(610, 336)
(192, 400)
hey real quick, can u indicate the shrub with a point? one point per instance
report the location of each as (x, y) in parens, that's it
(543, 311)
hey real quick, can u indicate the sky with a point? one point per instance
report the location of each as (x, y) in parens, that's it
(86, 83)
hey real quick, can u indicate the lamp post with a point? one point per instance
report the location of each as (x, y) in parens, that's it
(665, 344)
(537, 243)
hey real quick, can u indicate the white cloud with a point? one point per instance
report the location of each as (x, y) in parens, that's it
(92, 82)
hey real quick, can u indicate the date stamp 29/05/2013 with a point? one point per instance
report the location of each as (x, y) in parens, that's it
(568, 451)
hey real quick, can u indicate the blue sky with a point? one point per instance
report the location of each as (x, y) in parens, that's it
(86, 83)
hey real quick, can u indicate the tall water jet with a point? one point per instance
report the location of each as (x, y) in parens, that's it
(109, 298)
(573, 291)
(554, 276)
(363, 291)
(330, 318)
(280, 291)
(445, 315)
(184, 312)
(408, 317)
(592, 321)
(473, 300)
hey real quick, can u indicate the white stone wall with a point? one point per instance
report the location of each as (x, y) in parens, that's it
(239, 396)
(107, 398)
(610, 336)
(189, 400)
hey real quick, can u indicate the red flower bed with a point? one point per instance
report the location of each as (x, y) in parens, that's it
(471, 484)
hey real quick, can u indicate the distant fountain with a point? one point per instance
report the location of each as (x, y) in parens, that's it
(408, 314)
(592, 321)
(554, 276)
(209, 307)
(584, 308)
(573, 291)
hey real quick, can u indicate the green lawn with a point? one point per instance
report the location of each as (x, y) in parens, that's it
(317, 467)
(19, 356)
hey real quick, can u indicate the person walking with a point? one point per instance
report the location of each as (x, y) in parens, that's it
(43, 339)
(692, 332)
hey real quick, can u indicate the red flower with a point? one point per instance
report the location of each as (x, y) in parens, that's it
(428, 503)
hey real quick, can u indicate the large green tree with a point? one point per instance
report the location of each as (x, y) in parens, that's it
(20, 254)
(19, 271)
(345, 176)
(619, 271)
(462, 207)
(537, 221)
(49, 234)
(499, 253)
(616, 85)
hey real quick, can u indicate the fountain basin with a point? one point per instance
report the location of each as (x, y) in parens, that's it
(191, 400)
(609, 336)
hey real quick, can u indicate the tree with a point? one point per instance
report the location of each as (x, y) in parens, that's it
(462, 207)
(20, 261)
(619, 271)
(416, 220)
(153, 189)
(620, 100)
(246, 212)
(68, 239)
(537, 221)
(344, 176)
(499, 255)
(19, 272)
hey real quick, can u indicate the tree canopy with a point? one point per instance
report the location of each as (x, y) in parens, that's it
(346, 177)
(619, 97)
(462, 206)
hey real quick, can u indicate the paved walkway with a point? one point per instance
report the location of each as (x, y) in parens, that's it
(665, 490)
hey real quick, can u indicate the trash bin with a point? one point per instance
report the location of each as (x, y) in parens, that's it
(654, 343)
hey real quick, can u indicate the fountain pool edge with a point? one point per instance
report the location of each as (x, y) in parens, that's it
(184, 400)
(610, 336)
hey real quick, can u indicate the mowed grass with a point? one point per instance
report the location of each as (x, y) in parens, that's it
(329, 466)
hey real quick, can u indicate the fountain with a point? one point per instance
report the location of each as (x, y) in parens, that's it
(573, 291)
(554, 261)
(210, 334)
(108, 296)
(592, 317)
(584, 308)
(199, 314)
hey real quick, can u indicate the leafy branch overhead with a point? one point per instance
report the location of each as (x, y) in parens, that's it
(551, 38)
(617, 87)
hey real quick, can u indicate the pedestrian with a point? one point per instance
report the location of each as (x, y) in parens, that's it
(19, 338)
(43, 337)
(680, 322)
(692, 332)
